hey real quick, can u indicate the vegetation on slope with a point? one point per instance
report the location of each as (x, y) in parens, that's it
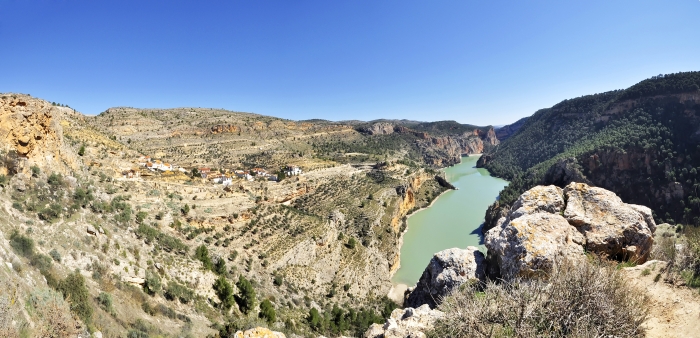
(640, 143)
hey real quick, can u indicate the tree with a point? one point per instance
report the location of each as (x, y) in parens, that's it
(81, 151)
(315, 320)
(267, 311)
(246, 295)
(202, 255)
(220, 267)
(224, 291)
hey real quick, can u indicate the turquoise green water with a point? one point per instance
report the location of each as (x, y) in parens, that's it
(452, 221)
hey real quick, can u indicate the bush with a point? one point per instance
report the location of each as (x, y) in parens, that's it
(152, 284)
(176, 291)
(583, 300)
(76, 293)
(55, 255)
(23, 245)
(54, 315)
(41, 262)
(105, 301)
(202, 255)
(267, 311)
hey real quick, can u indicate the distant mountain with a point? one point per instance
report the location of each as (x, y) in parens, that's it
(643, 143)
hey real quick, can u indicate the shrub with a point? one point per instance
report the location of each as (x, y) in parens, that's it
(41, 262)
(583, 300)
(23, 245)
(76, 293)
(202, 255)
(152, 284)
(351, 243)
(105, 301)
(278, 280)
(54, 317)
(55, 255)
(35, 171)
(267, 311)
(176, 291)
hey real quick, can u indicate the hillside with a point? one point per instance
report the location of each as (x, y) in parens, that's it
(168, 251)
(642, 143)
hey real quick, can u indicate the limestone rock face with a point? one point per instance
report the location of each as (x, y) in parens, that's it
(533, 244)
(405, 323)
(259, 332)
(447, 270)
(548, 225)
(611, 227)
(381, 128)
(547, 199)
(31, 130)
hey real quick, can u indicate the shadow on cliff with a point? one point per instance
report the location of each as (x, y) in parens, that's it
(478, 233)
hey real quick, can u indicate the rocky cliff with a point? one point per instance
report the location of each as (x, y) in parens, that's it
(32, 134)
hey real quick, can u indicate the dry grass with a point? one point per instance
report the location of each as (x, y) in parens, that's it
(586, 300)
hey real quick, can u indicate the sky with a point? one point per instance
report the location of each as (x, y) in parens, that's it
(478, 62)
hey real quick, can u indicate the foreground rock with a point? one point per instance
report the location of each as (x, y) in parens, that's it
(547, 225)
(259, 332)
(447, 270)
(405, 323)
(619, 230)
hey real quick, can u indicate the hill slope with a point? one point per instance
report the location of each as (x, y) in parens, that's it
(642, 143)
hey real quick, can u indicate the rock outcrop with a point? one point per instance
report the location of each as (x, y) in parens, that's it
(447, 270)
(547, 225)
(31, 130)
(611, 227)
(405, 323)
(259, 332)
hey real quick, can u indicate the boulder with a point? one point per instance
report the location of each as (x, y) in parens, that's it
(611, 227)
(548, 199)
(134, 280)
(405, 323)
(259, 332)
(447, 270)
(531, 245)
(91, 230)
(547, 225)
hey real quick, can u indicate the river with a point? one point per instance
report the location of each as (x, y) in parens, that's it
(453, 220)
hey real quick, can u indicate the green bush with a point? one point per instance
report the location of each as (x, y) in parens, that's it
(267, 311)
(202, 254)
(23, 245)
(41, 262)
(105, 301)
(55, 255)
(180, 292)
(246, 295)
(76, 293)
(152, 284)
(224, 291)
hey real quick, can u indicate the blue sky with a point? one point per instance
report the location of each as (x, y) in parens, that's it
(479, 62)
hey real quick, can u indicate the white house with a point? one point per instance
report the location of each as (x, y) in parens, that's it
(292, 170)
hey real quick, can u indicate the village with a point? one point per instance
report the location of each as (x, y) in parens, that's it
(146, 165)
